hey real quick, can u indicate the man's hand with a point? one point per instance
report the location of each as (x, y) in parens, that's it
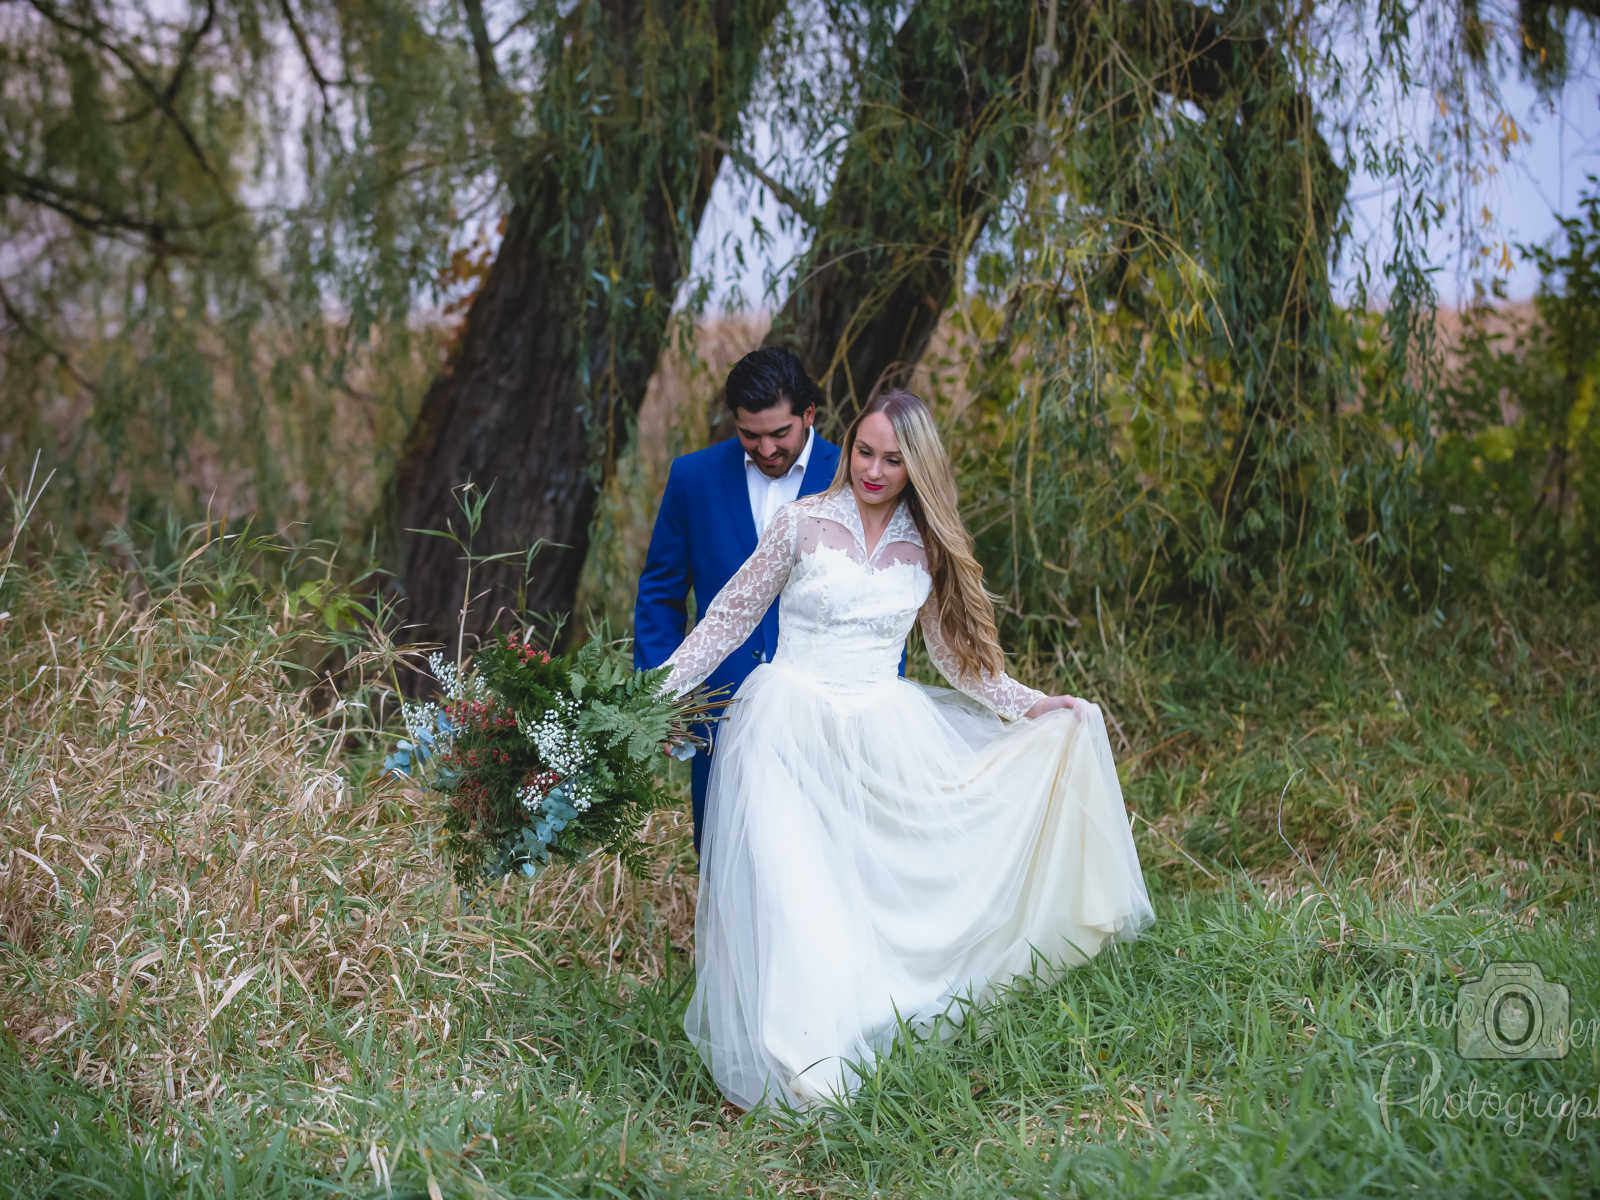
(679, 745)
(682, 751)
(1062, 701)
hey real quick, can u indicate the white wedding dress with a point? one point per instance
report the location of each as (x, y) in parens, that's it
(875, 850)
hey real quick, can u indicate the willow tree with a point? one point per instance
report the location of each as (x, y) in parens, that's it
(216, 282)
(221, 225)
(1058, 122)
(1144, 195)
(968, 101)
(120, 208)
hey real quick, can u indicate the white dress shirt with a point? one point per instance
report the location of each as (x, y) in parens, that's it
(768, 495)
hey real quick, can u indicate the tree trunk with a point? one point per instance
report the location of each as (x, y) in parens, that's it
(563, 335)
(933, 154)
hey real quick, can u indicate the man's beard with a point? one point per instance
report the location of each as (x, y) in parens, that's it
(781, 468)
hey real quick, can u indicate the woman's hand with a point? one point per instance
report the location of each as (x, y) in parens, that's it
(1050, 702)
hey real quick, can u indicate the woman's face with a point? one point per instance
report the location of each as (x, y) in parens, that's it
(877, 472)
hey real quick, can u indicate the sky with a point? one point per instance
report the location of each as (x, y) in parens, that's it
(1540, 179)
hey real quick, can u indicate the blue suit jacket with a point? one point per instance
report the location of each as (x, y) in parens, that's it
(704, 531)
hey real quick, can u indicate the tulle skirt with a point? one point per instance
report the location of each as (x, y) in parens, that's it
(879, 853)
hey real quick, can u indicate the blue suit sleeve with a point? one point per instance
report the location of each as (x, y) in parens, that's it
(660, 609)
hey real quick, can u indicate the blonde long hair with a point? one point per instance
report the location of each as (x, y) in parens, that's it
(966, 610)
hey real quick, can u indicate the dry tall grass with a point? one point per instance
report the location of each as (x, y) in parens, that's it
(201, 870)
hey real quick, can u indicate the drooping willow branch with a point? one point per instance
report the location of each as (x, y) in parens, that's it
(162, 98)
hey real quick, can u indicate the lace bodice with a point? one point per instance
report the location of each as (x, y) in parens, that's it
(844, 612)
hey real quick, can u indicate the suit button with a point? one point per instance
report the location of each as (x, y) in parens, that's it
(756, 654)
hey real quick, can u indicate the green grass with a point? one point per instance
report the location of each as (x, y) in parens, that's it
(232, 962)
(1238, 1049)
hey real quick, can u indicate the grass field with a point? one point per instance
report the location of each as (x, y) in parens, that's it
(232, 964)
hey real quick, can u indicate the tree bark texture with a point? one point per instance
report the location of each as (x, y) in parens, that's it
(565, 331)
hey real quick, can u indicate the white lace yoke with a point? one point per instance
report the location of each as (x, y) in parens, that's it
(844, 611)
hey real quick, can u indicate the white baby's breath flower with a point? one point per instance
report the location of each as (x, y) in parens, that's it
(555, 736)
(419, 718)
(456, 686)
(565, 751)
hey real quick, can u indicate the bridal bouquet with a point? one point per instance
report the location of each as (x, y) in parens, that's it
(538, 757)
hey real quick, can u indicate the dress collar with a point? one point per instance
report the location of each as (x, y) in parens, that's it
(840, 506)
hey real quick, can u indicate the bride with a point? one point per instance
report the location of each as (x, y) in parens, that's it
(875, 850)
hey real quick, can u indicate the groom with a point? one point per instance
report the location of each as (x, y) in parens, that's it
(717, 503)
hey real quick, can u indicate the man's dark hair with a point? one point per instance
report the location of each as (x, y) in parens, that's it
(768, 376)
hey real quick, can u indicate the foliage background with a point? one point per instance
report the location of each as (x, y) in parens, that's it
(226, 297)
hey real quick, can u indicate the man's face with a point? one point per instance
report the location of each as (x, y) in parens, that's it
(774, 436)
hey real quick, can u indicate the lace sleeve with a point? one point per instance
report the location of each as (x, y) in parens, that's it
(1003, 694)
(738, 608)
